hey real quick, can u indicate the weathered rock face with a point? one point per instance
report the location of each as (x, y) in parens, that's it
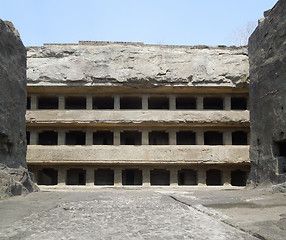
(131, 64)
(267, 56)
(14, 177)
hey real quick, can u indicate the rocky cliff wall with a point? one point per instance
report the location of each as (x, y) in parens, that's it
(14, 176)
(267, 57)
(132, 64)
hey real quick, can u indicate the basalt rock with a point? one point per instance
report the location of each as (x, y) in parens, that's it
(14, 176)
(267, 57)
(131, 64)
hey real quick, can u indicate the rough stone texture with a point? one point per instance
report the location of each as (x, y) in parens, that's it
(132, 64)
(267, 56)
(14, 177)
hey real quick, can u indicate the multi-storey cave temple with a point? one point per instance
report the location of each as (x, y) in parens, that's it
(121, 114)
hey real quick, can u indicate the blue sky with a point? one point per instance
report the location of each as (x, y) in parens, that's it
(176, 22)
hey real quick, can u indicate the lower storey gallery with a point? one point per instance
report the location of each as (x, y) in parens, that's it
(144, 176)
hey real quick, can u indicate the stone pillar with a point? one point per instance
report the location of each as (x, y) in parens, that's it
(34, 138)
(117, 177)
(145, 102)
(61, 137)
(226, 177)
(172, 137)
(89, 177)
(200, 103)
(227, 103)
(200, 138)
(62, 176)
(174, 177)
(89, 137)
(88, 102)
(116, 137)
(202, 177)
(145, 137)
(172, 102)
(146, 177)
(36, 176)
(34, 102)
(227, 138)
(116, 102)
(61, 102)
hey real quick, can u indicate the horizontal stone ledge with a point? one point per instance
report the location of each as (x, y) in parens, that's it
(136, 116)
(137, 154)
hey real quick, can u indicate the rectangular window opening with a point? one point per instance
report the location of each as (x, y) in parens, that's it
(213, 103)
(103, 138)
(239, 138)
(158, 103)
(104, 177)
(158, 138)
(103, 102)
(130, 138)
(130, 103)
(131, 177)
(75, 103)
(238, 103)
(185, 103)
(186, 138)
(213, 138)
(48, 102)
(75, 138)
(48, 138)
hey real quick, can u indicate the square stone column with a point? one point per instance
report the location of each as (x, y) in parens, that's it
(145, 137)
(62, 172)
(116, 102)
(172, 137)
(227, 138)
(145, 102)
(89, 177)
(34, 102)
(174, 177)
(116, 137)
(89, 137)
(61, 137)
(226, 177)
(118, 177)
(227, 103)
(88, 102)
(146, 177)
(34, 138)
(200, 103)
(61, 102)
(201, 177)
(172, 102)
(200, 138)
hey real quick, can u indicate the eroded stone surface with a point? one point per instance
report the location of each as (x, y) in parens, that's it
(100, 63)
(267, 53)
(14, 177)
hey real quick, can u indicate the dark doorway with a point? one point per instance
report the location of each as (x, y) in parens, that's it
(47, 176)
(48, 102)
(213, 103)
(28, 137)
(48, 138)
(103, 138)
(28, 103)
(130, 138)
(160, 177)
(131, 177)
(280, 153)
(75, 103)
(76, 176)
(213, 138)
(104, 177)
(186, 103)
(186, 138)
(103, 102)
(187, 177)
(238, 103)
(158, 138)
(130, 103)
(213, 177)
(158, 103)
(75, 138)
(238, 178)
(239, 138)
